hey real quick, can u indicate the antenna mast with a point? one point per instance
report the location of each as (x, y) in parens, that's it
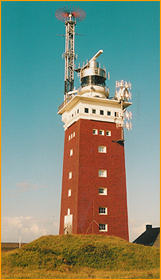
(70, 16)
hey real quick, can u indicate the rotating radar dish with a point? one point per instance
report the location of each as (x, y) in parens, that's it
(64, 14)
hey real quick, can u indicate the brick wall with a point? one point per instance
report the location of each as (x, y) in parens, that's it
(85, 200)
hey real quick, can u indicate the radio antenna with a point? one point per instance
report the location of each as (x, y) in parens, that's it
(70, 16)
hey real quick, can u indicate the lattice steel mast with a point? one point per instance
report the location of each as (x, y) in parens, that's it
(69, 16)
(69, 54)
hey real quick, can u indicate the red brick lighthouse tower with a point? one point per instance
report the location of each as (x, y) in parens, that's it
(94, 199)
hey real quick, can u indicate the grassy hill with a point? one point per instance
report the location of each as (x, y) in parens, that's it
(80, 256)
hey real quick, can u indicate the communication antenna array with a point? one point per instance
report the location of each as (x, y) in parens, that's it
(123, 94)
(70, 16)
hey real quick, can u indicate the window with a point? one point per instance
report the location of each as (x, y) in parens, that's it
(93, 80)
(71, 152)
(102, 173)
(102, 149)
(69, 192)
(117, 114)
(101, 112)
(102, 227)
(103, 210)
(70, 175)
(86, 110)
(71, 136)
(108, 133)
(101, 132)
(68, 212)
(108, 113)
(95, 131)
(78, 111)
(97, 80)
(93, 111)
(102, 191)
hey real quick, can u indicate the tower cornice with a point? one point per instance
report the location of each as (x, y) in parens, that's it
(66, 106)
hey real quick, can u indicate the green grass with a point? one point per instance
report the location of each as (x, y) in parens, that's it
(80, 256)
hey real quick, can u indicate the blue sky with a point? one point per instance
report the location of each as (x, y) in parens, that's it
(32, 90)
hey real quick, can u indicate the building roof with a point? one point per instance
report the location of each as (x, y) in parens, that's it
(149, 236)
(157, 241)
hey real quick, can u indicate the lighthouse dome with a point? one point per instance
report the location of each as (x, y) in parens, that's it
(93, 78)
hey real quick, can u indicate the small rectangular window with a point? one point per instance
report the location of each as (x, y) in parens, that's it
(103, 210)
(70, 175)
(95, 131)
(86, 110)
(108, 113)
(108, 133)
(117, 114)
(102, 191)
(101, 112)
(78, 111)
(102, 227)
(93, 111)
(102, 173)
(102, 132)
(68, 212)
(69, 192)
(71, 152)
(73, 134)
(69, 138)
(102, 149)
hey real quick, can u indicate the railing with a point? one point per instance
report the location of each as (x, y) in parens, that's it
(65, 102)
(70, 97)
(81, 65)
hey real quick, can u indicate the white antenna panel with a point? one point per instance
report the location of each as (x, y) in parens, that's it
(128, 115)
(127, 125)
(130, 95)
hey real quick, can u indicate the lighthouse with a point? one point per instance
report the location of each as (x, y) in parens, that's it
(93, 198)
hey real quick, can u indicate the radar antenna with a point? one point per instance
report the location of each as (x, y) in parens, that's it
(70, 16)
